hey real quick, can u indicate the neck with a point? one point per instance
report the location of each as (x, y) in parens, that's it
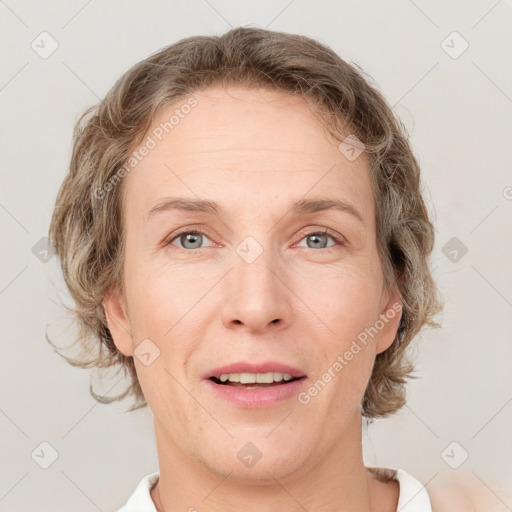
(337, 480)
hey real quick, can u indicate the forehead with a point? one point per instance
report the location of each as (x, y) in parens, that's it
(238, 118)
(242, 145)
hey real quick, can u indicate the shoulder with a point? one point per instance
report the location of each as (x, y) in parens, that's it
(140, 499)
(450, 500)
(445, 493)
(465, 495)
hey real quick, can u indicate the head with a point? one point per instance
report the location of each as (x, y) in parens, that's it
(254, 121)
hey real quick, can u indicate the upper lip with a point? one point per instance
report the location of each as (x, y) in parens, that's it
(243, 367)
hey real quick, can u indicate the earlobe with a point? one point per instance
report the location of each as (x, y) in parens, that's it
(390, 317)
(118, 321)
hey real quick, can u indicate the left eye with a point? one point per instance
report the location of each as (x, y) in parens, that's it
(319, 236)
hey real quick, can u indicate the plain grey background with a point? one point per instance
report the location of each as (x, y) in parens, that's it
(445, 68)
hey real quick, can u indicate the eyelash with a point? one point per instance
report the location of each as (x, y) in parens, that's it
(338, 239)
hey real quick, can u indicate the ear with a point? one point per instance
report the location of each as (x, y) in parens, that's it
(118, 321)
(390, 315)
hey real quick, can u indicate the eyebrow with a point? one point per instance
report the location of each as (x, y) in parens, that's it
(299, 207)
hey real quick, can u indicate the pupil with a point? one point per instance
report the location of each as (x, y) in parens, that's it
(317, 236)
(190, 238)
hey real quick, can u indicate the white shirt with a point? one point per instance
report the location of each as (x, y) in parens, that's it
(413, 496)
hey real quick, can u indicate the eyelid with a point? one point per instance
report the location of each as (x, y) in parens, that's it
(338, 239)
(185, 230)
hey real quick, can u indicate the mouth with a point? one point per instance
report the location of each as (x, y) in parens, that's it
(254, 373)
(249, 386)
(277, 380)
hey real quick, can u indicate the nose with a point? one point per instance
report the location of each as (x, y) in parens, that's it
(257, 294)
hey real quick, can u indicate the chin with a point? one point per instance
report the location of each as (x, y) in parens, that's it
(262, 473)
(257, 462)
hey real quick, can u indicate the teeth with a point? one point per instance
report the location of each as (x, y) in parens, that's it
(246, 378)
(251, 378)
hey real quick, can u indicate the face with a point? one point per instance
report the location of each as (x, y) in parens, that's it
(259, 281)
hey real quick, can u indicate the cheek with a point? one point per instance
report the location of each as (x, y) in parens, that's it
(166, 307)
(342, 379)
(344, 300)
(159, 297)
(345, 304)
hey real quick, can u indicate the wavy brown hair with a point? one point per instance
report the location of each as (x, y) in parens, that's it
(86, 229)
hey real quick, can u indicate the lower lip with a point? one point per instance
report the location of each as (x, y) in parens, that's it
(257, 397)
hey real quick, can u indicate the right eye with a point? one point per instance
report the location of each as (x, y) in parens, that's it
(191, 237)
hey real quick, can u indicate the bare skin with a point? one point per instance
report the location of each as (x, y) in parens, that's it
(254, 152)
(384, 495)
